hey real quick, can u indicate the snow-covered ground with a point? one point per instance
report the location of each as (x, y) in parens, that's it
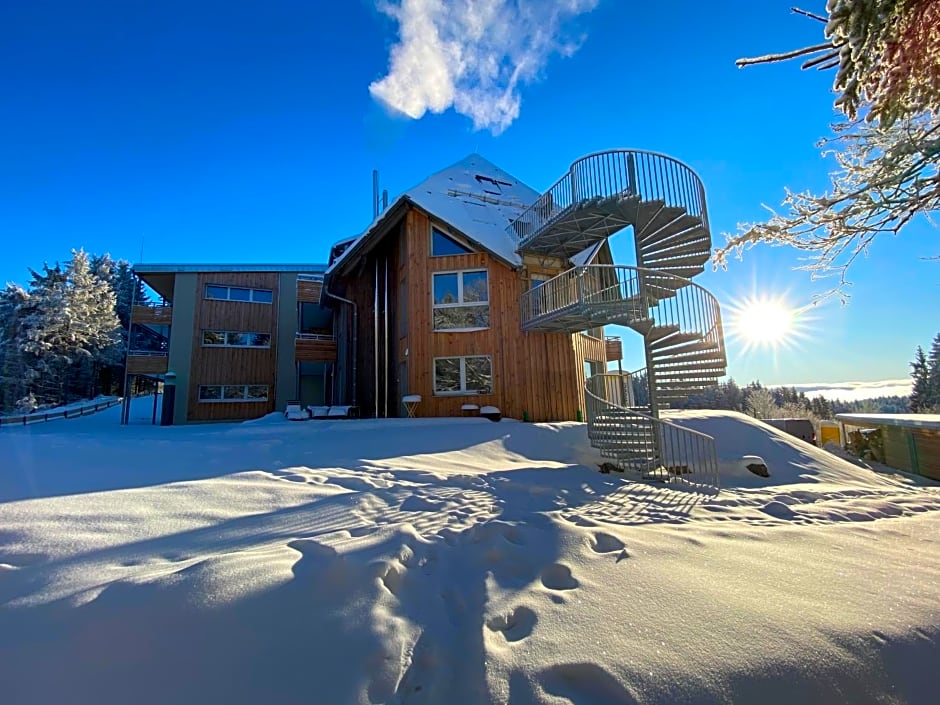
(452, 561)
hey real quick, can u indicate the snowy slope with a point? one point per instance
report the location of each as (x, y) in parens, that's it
(452, 560)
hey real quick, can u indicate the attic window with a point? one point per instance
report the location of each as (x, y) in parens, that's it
(491, 185)
(442, 245)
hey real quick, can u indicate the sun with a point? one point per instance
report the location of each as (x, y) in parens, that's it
(763, 322)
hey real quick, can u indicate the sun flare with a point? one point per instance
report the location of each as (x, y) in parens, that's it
(764, 322)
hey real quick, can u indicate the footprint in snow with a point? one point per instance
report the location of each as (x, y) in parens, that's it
(516, 625)
(605, 543)
(558, 576)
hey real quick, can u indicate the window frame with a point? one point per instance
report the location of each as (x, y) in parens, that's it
(228, 294)
(448, 236)
(244, 399)
(460, 303)
(463, 391)
(226, 344)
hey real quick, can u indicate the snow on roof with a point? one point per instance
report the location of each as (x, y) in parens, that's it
(909, 420)
(473, 196)
(479, 199)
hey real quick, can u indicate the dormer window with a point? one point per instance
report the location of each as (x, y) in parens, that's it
(443, 245)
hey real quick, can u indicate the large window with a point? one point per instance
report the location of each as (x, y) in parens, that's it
(235, 339)
(461, 300)
(233, 392)
(463, 375)
(443, 245)
(239, 293)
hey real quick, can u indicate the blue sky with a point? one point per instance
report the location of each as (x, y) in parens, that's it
(224, 132)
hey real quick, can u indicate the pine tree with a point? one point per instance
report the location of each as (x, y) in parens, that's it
(933, 374)
(72, 322)
(14, 303)
(920, 395)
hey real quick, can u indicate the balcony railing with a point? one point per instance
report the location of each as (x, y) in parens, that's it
(603, 175)
(152, 313)
(315, 336)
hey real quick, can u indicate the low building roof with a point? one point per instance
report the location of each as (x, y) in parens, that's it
(179, 268)
(931, 421)
(161, 277)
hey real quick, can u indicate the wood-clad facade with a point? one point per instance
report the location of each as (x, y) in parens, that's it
(233, 365)
(233, 338)
(539, 376)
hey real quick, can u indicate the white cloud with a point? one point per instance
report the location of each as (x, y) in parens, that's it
(472, 55)
(855, 391)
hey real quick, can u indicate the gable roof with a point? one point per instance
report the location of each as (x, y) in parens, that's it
(479, 200)
(474, 197)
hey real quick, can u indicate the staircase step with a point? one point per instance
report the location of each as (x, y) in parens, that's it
(697, 245)
(658, 332)
(679, 225)
(663, 241)
(690, 260)
(679, 270)
(677, 352)
(681, 373)
(672, 263)
(654, 215)
(675, 339)
(669, 388)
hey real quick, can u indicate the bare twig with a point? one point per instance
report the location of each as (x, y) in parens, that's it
(827, 57)
(806, 13)
(771, 58)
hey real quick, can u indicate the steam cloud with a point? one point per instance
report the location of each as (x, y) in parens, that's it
(473, 55)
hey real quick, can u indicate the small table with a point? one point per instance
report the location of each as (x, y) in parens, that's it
(411, 402)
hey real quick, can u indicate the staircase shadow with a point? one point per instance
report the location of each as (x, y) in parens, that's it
(636, 504)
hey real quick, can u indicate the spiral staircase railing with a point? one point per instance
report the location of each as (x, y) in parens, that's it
(649, 176)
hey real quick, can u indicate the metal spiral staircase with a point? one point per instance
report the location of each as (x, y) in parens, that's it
(664, 201)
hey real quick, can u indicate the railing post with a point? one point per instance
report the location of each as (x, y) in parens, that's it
(631, 174)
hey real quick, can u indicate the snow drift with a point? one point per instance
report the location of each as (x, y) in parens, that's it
(453, 560)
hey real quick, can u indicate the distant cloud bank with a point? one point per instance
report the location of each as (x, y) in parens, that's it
(472, 55)
(855, 391)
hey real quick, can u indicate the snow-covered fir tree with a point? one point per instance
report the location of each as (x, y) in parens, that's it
(920, 394)
(933, 374)
(72, 320)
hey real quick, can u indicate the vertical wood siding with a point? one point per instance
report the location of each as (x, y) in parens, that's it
(927, 443)
(233, 365)
(309, 291)
(537, 374)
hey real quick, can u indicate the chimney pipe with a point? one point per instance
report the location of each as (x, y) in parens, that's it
(384, 199)
(375, 193)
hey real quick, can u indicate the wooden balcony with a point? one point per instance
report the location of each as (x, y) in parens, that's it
(146, 363)
(315, 348)
(614, 349)
(308, 289)
(152, 315)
